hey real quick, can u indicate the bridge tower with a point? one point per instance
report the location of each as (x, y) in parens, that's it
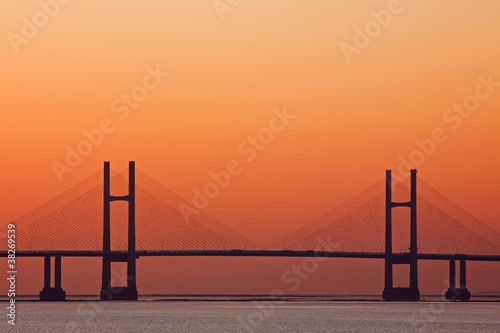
(129, 292)
(390, 293)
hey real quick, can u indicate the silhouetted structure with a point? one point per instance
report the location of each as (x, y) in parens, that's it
(390, 293)
(171, 226)
(462, 293)
(48, 293)
(109, 293)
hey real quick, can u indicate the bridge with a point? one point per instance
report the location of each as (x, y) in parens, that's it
(372, 225)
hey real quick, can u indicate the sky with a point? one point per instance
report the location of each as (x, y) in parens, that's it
(339, 91)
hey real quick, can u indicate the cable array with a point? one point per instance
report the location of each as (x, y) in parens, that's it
(165, 221)
(358, 225)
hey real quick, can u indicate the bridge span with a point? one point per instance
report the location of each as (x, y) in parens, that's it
(122, 255)
(169, 227)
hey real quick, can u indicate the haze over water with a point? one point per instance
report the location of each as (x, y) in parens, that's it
(258, 316)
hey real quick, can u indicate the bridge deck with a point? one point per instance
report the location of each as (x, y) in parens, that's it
(255, 253)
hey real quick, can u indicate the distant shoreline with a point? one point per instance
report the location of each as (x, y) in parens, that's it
(253, 298)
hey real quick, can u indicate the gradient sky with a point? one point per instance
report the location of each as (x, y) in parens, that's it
(353, 119)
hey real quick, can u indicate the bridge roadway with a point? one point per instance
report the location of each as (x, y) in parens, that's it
(122, 255)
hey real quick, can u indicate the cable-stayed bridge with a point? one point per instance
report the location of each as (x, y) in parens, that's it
(143, 218)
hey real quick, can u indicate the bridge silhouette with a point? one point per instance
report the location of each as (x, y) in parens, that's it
(374, 224)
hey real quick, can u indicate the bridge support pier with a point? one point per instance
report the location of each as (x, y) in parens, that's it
(462, 293)
(48, 293)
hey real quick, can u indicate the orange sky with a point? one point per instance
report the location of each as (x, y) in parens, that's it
(353, 119)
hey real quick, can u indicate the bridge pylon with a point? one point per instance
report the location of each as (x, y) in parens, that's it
(390, 292)
(129, 292)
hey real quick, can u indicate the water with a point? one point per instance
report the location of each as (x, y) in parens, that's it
(247, 315)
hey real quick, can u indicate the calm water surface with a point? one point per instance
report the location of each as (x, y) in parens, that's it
(254, 316)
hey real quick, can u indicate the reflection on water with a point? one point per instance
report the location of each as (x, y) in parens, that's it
(255, 314)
